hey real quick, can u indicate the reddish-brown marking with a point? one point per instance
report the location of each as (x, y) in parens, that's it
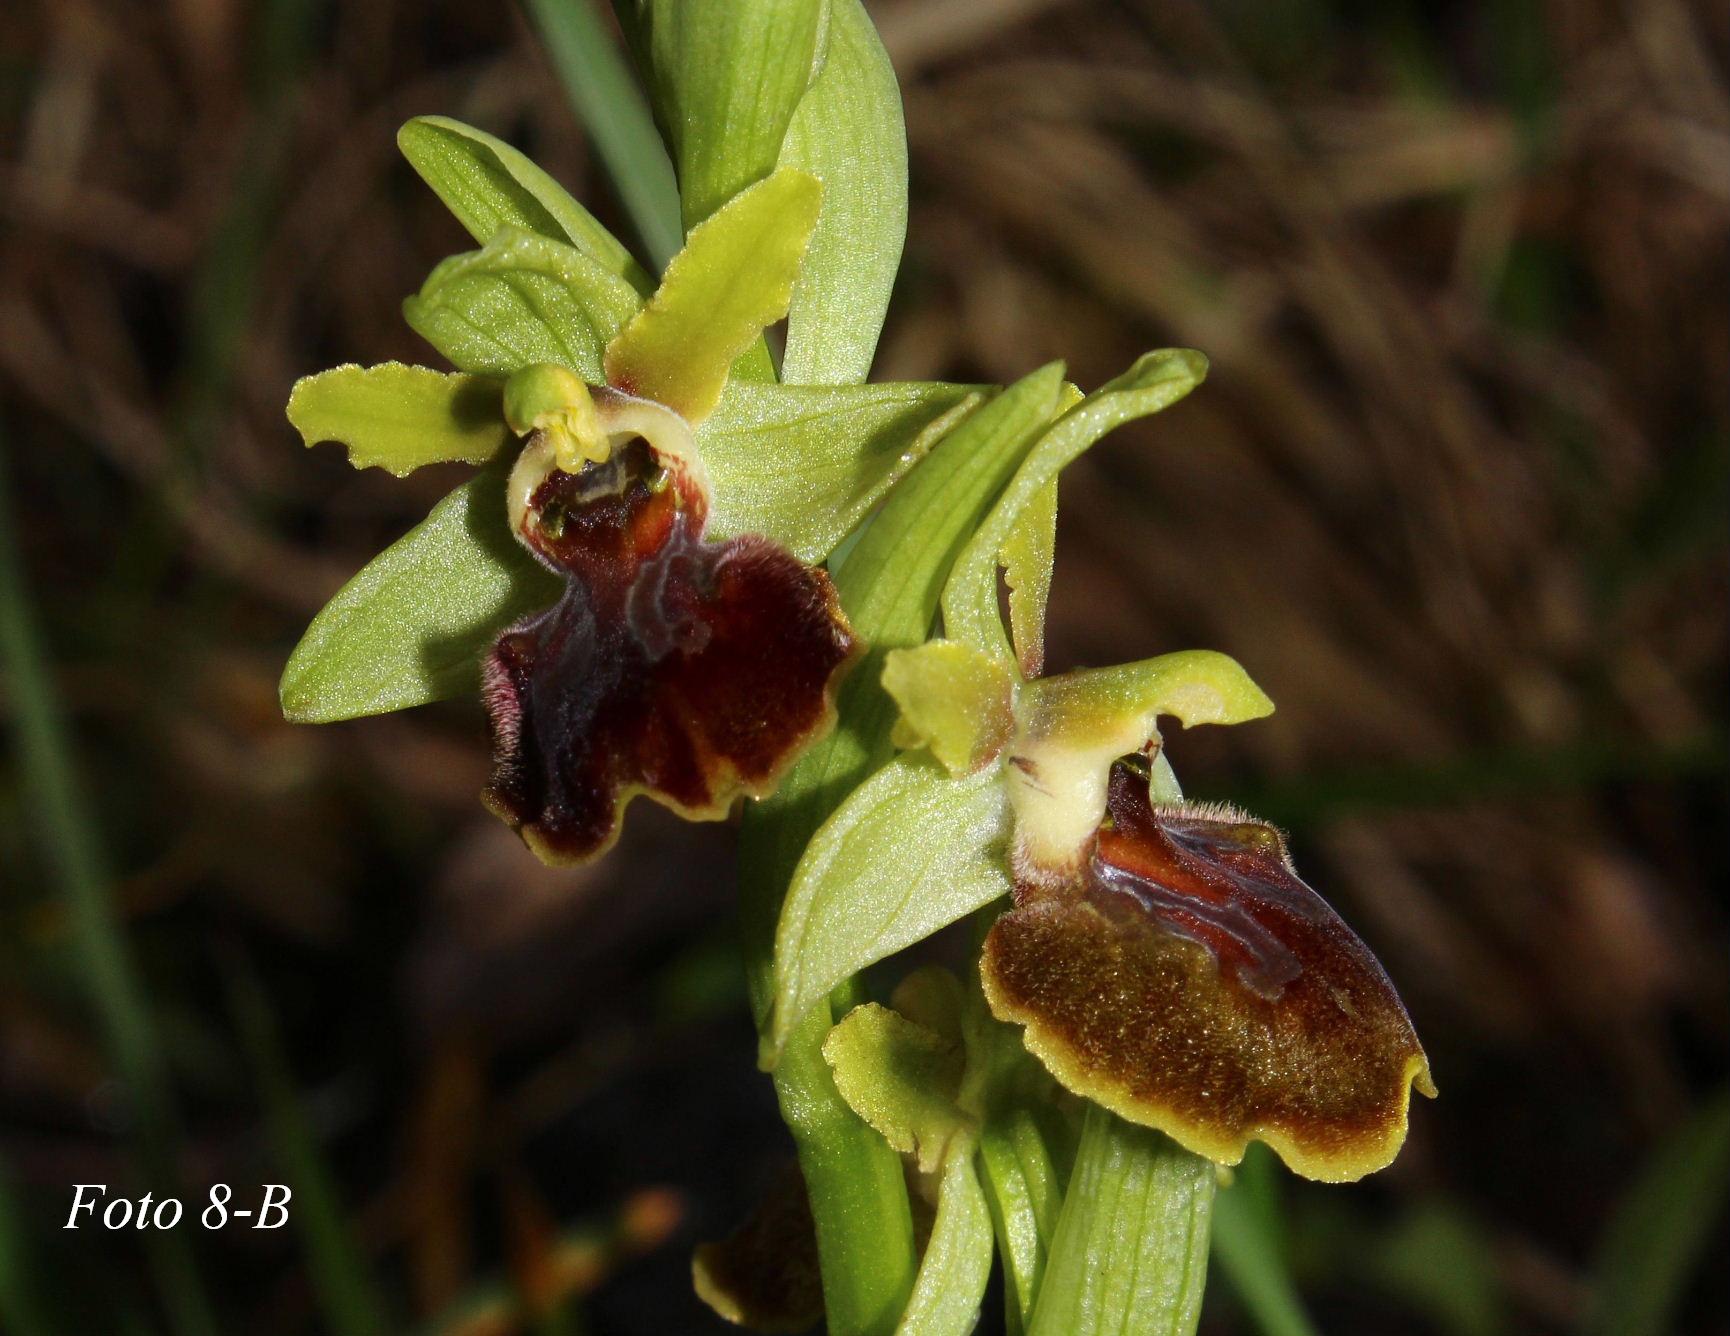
(688, 670)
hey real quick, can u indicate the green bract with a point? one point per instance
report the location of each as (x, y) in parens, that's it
(1131, 1238)
(910, 851)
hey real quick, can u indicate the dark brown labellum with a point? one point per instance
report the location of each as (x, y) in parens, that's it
(688, 670)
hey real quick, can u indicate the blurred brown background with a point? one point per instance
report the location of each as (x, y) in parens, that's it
(1454, 493)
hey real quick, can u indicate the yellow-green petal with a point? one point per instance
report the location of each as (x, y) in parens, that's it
(733, 279)
(954, 699)
(901, 1077)
(398, 417)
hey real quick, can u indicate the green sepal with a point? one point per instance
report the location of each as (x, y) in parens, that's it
(954, 699)
(398, 417)
(804, 464)
(1156, 381)
(519, 300)
(848, 132)
(726, 79)
(910, 851)
(488, 185)
(732, 281)
(412, 625)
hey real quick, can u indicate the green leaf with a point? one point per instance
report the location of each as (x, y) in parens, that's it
(519, 300)
(732, 280)
(849, 134)
(901, 1077)
(953, 699)
(398, 417)
(1027, 559)
(726, 79)
(1156, 381)
(1434, 1258)
(489, 185)
(957, 1262)
(1130, 1253)
(804, 464)
(337, 1266)
(1661, 1228)
(910, 851)
(412, 625)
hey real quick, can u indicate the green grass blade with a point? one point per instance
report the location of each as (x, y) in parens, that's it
(1660, 1231)
(336, 1266)
(598, 81)
(22, 1307)
(67, 830)
(1247, 1246)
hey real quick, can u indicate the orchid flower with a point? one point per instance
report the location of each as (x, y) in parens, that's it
(663, 626)
(1163, 958)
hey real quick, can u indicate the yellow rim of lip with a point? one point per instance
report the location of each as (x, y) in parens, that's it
(1366, 1156)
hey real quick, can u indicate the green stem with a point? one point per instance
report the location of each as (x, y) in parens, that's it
(598, 82)
(67, 829)
(1130, 1253)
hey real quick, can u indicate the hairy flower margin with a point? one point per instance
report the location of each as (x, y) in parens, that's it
(635, 580)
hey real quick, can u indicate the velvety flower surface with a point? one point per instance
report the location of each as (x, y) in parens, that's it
(689, 670)
(1186, 978)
